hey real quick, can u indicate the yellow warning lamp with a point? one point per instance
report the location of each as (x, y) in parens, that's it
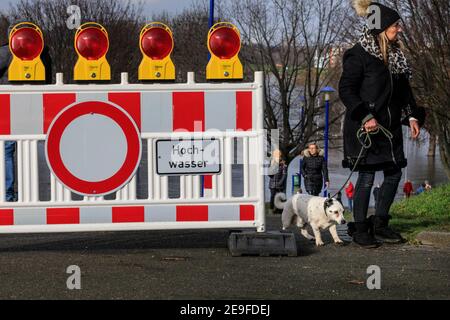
(224, 44)
(26, 43)
(156, 44)
(91, 45)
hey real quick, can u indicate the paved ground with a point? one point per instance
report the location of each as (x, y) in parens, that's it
(197, 265)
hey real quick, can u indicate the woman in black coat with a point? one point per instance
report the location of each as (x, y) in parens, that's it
(375, 90)
(314, 170)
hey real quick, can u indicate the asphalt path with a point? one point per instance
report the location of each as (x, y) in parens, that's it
(197, 265)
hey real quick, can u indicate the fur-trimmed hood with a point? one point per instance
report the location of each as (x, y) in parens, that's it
(307, 154)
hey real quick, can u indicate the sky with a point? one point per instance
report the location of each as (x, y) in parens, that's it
(150, 6)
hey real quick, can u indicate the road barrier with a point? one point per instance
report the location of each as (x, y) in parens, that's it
(90, 141)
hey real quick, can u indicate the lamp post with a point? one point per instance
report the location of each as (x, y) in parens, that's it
(302, 117)
(327, 91)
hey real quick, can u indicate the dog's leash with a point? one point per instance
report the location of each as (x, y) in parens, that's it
(366, 143)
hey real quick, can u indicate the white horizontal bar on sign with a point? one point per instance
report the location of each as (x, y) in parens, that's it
(199, 135)
(36, 137)
(128, 226)
(180, 87)
(140, 202)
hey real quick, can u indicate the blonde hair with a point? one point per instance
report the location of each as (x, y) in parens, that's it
(384, 44)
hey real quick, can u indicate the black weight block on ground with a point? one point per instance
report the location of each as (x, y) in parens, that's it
(262, 244)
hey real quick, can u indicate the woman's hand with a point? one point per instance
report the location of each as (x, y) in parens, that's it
(371, 125)
(415, 129)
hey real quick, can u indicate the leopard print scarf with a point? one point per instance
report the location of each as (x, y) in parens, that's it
(397, 60)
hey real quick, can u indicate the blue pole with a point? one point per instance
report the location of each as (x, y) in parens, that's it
(327, 116)
(211, 19)
(210, 24)
(302, 115)
(300, 175)
(211, 13)
(293, 182)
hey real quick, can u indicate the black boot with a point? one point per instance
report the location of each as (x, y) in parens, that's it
(383, 232)
(351, 229)
(361, 234)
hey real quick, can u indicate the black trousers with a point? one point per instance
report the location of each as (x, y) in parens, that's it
(314, 187)
(386, 194)
(273, 193)
(315, 192)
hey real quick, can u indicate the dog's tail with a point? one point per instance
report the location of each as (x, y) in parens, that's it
(280, 200)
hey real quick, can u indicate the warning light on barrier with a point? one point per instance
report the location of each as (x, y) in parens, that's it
(156, 44)
(26, 43)
(224, 44)
(91, 45)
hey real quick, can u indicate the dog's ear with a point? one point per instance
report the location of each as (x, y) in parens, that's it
(328, 202)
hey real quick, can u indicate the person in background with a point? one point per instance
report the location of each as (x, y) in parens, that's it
(349, 191)
(420, 189)
(408, 189)
(314, 170)
(376, 194)
(10, 146)
(428, 186)
(278, 177)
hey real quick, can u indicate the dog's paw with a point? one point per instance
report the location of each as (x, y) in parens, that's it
(339, 243)
(319, 243)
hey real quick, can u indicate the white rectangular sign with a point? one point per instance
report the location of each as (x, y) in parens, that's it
(188, 157)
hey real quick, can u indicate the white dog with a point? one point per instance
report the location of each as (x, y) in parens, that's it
(318, 212)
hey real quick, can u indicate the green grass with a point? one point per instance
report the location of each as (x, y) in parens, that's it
(426, 212)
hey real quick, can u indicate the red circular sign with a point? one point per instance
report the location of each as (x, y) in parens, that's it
(102, 110)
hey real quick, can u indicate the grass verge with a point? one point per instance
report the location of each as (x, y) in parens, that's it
(426, 212)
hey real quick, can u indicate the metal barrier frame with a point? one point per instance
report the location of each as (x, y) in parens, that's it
(14, 215)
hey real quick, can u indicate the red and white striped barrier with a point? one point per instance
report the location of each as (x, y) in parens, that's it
(94, 138)
(54, 219)
(23, 113)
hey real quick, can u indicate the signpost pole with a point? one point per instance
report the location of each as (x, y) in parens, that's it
(210, 24)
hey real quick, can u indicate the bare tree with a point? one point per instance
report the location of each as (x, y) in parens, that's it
(297, 43)
(427, 39)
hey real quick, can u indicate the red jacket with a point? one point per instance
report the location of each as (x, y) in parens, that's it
(349, 191)
(408, 187)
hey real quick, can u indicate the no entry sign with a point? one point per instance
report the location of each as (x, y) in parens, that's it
(93, 148)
